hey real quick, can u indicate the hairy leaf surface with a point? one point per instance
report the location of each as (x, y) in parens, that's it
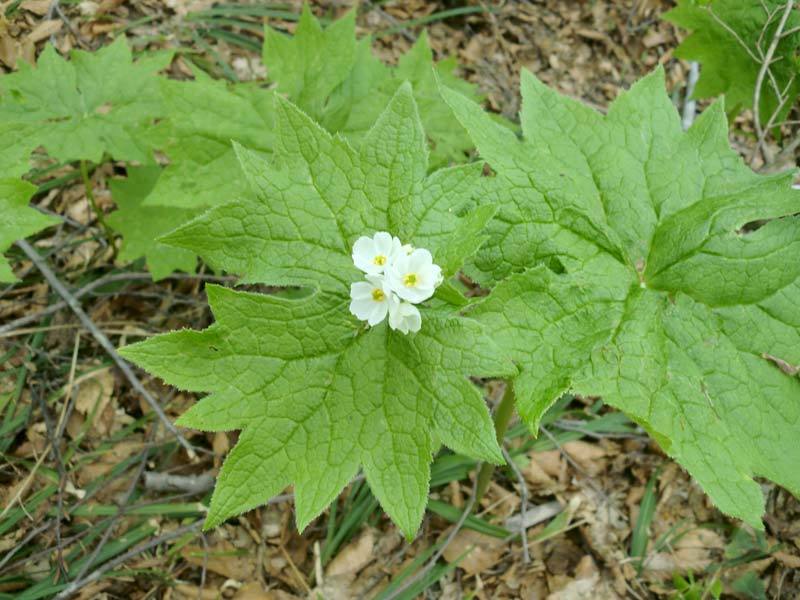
(730, 39)
(675, 284)
(19, 220)
(317, 395)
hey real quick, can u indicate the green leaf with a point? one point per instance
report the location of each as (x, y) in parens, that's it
(309, 66)
(377, 84)
(667, 301)
(81, 109)
(728, 38)
(203, 171)
(19, 220)
(316, 394)
(330, 75)
(141, 225)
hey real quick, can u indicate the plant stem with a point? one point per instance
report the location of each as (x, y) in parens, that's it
(101, 218)
(502, 416)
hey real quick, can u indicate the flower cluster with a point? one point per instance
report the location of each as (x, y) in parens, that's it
(397, 277)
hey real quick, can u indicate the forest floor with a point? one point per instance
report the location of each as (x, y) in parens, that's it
(95, 491)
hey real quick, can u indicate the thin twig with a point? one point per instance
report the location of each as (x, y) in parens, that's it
(98, 573)
(121, 509)
(523, 506)
(55, 452)
(104, 342)
(762, 73)
(193, 484)
(90, 287)
(733, 33)
(450, 537)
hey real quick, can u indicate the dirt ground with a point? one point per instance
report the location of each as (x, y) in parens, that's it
(91, 485)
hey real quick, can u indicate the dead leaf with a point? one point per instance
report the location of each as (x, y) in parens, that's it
(694, 551)
(93, 398)
(591, 588)
(537, 476)
(590, 457)
(183, 591)
(355, 556)
(550, 462)
(223, 558)
(477, 552)
(37, 7)
(789, 560)
(45, 29)
(253, 591)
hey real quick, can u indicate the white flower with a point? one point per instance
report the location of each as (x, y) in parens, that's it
(371, 300)
(405, 317)
(407, 248)
(373, 255)
(413, 276)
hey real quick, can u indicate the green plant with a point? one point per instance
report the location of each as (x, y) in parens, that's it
(106, 105)
(19, 220)
(675, 282)
(97, 104)
(748, 50)
(316, 392)
(328, 73)
(627, 259)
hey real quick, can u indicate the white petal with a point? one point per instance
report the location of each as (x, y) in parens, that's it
(378, 312)
(364, 254)
(362, 308)
(383, 243)
(361, 290)
(419, 259)
(405, 318)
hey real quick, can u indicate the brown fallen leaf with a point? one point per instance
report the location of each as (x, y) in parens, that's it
(184, 591)
(44, 30)
(694, 551)
(253, 591)
(223, 558)
(355, 556)
(550, 462)
(590, 457)
(789, 560)
(37, 7)
(477, 552)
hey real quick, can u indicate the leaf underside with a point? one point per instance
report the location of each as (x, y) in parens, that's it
(316, 394)
(675, 284)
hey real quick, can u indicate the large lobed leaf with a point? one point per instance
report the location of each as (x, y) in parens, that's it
(316, 394)
(673, 287)
(94, 104)
(730, 39)
(329, 74)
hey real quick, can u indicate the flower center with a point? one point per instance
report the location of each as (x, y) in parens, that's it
(379, 260)
(378, 295)
(410, 280)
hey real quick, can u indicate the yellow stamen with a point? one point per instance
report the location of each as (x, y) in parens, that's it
(410, 280)
(379, 260)
(378, 295)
